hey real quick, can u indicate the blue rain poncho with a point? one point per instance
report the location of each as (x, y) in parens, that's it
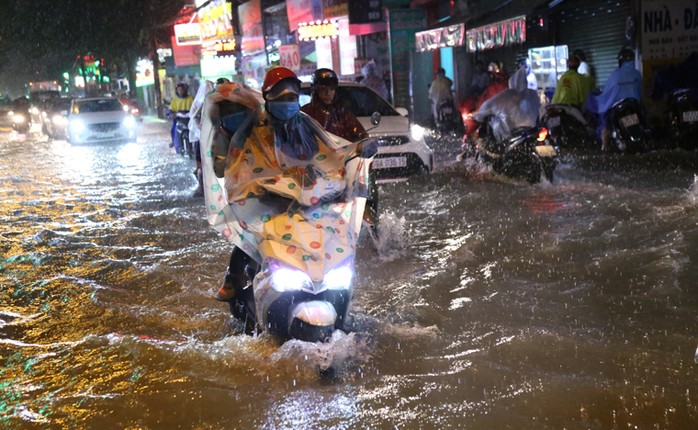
(513, 108)
(625, 82)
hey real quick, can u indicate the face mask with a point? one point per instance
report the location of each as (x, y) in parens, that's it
(283, 110)
(232, 122)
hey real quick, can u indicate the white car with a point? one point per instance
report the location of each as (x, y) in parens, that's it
(100, 119)
(402, 151)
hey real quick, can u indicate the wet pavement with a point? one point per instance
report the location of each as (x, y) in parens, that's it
(488, 304)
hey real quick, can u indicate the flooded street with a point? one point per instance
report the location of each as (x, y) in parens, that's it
(489, 304)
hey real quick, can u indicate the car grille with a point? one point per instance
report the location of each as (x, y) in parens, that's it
(104, 128)
(392, 140)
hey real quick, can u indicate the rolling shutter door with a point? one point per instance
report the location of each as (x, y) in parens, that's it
(595, 26)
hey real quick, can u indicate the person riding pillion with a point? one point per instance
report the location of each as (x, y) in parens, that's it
(573, 89)
(325, 108)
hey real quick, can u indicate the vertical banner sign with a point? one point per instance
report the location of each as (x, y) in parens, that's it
(669, 29)
(250, 14)
(403, 25)
(290, 57)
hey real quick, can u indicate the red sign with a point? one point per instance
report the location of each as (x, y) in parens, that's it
(290, 57)
(430, 40)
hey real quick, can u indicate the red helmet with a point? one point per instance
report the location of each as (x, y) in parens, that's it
(276, 75)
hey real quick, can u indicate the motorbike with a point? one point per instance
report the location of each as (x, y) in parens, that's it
(293, 266)
(526, 155)
(629, 132)
(566, 126)
(448, 118)
(21, 115)
(683, 117)
(182, 129)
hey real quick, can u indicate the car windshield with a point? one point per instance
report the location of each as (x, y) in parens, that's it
(98, 105)
(361, 101)
(364, 102)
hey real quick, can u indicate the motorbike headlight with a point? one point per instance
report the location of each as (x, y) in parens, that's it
(59, 120)
(18, 118)
(417, 132)
(125, 108)
(286, 278)
(35, 110)
(130, 122)
(340, 277)
(77, 126)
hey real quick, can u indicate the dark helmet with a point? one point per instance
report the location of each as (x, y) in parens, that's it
(222, 81)
(325, 77)
(625, 54)
(573, 62)
(579, 53)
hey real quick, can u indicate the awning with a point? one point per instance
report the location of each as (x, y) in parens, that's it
(429, 40)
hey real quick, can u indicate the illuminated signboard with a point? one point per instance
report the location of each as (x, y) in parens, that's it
(187, 34)
(215, 21)
(318, 30)
(224, 47)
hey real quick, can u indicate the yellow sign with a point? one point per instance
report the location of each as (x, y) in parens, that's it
(318, 30)
(215, 21)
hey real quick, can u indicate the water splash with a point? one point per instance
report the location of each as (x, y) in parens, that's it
(693, 191)
(393, 237)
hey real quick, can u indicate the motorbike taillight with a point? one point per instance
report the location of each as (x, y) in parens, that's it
(542, 134)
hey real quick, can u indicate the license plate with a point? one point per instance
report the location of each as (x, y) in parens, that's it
(691, 116)
(545, 151)
(389, 162)
(553, 122)
(630, 120)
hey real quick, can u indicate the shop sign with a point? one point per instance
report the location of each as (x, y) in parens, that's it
(188, 34)
(187, 55)
(290, 57)
(299, 11)
(250, 14)
(669, 29)
(215, 21)
(497, 35)
(224, 48)
(318, 30)
(429, 40)
(144, 73)
(335, 9)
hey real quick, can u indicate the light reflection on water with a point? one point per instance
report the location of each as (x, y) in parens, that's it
(484, 304)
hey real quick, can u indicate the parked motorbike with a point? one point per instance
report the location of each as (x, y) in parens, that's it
(566, 126)
(629, 132)
(288, 285)
(526, 155)
(683, 117)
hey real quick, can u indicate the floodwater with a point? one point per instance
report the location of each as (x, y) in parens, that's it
(488, 304)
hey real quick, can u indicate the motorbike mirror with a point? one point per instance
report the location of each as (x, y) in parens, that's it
(375, 118)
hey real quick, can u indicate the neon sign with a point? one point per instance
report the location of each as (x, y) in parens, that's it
(318, 30)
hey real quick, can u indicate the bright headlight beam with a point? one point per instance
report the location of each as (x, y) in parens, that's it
(289, 279)
(339, 278)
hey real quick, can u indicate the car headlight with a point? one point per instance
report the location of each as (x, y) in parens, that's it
(59, 120)
(284, 278)
(340, 277)
(77, 126)
(130, 122)
(18, 118)
(417, 132)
